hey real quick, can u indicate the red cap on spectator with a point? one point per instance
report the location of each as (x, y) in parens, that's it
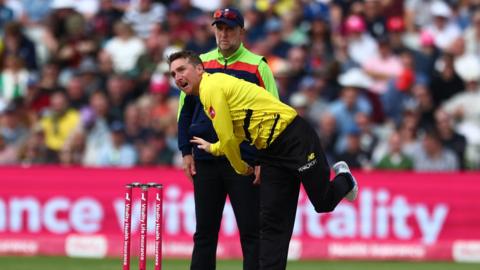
(405, 80)
(395, 24)
(159, 84)
(426, 38)
(354, 24)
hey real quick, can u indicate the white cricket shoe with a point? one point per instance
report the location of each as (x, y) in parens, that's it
(342, 167)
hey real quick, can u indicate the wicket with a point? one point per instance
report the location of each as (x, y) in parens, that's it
(143, 225)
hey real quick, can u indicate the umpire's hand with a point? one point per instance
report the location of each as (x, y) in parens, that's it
(257, 175)
(189, 166)
(201, 144)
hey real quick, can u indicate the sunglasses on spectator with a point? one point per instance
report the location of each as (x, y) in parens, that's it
(224, 13)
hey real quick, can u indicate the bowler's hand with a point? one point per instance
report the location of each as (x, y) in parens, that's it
(201, 144)
(250, 170)
(189, 166)
(257, 176)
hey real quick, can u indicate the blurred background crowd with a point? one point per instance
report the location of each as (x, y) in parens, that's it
(388, 84)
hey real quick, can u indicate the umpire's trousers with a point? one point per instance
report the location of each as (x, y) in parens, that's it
(294, 157)
(213, 181)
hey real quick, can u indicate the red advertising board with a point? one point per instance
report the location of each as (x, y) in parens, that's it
(79, 212)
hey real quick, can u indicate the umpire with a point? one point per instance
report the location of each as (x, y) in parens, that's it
(213, 177)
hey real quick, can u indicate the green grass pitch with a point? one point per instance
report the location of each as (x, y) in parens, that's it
(64, 263)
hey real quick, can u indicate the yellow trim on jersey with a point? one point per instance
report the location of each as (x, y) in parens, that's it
(240, 111)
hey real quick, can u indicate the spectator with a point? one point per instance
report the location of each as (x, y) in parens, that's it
(360, 44)
(117, 94)
(409, 133)
(14, 79)
(328, 132)
(203, 40)
(58, 125)
(180, 30)
(297, 59)
(34, 151)
(293, 34)
(396, 34)
(72, 152)
(162, 110)
(6, 14)
(445, 82)
(107, 15)
(144, 16)
(38, 97)
(76, 44)
(367, 134)
(375, 18)
(424, 106)
(450, 138)
(426, 56)
(255, 25)
(383, 67)
(62, 17)
(461, 105)
(118, 153)
(89, 75)
(95, 124)
(124, 48)
(155, 151)
(472, 36)
(395, 159)
(350, 103)
(399, 95)
(12, 131)
(299, 102)
(320, 45)
(274, 39)
(35, 11)
(417, 13)
(8, 152)
(353, 154)
(156, 46)
(189, 11)
(135, 134)
(17, 44)
(443, 30)
(76, 93)
(432, 156)
(313, 88)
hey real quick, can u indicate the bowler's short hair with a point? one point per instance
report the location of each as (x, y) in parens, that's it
(191, 56)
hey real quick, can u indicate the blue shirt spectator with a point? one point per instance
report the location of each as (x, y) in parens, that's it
(36, 10)
(118, 153)
(6, 15)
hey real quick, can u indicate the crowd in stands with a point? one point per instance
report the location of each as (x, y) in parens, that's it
(388, 84)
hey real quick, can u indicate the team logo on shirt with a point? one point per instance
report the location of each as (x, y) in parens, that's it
(211, 112)
(311, 156)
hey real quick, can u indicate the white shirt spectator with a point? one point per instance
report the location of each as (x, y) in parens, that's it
(143, 22)
(124, 53)
(123, 156)
(362, 48)
(468, 102)
(13, 84)
(446, 161)
(472, 41)
(87, 7)
(446, 36)
(421, 11)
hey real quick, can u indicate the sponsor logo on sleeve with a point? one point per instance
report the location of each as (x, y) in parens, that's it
(211, 112)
